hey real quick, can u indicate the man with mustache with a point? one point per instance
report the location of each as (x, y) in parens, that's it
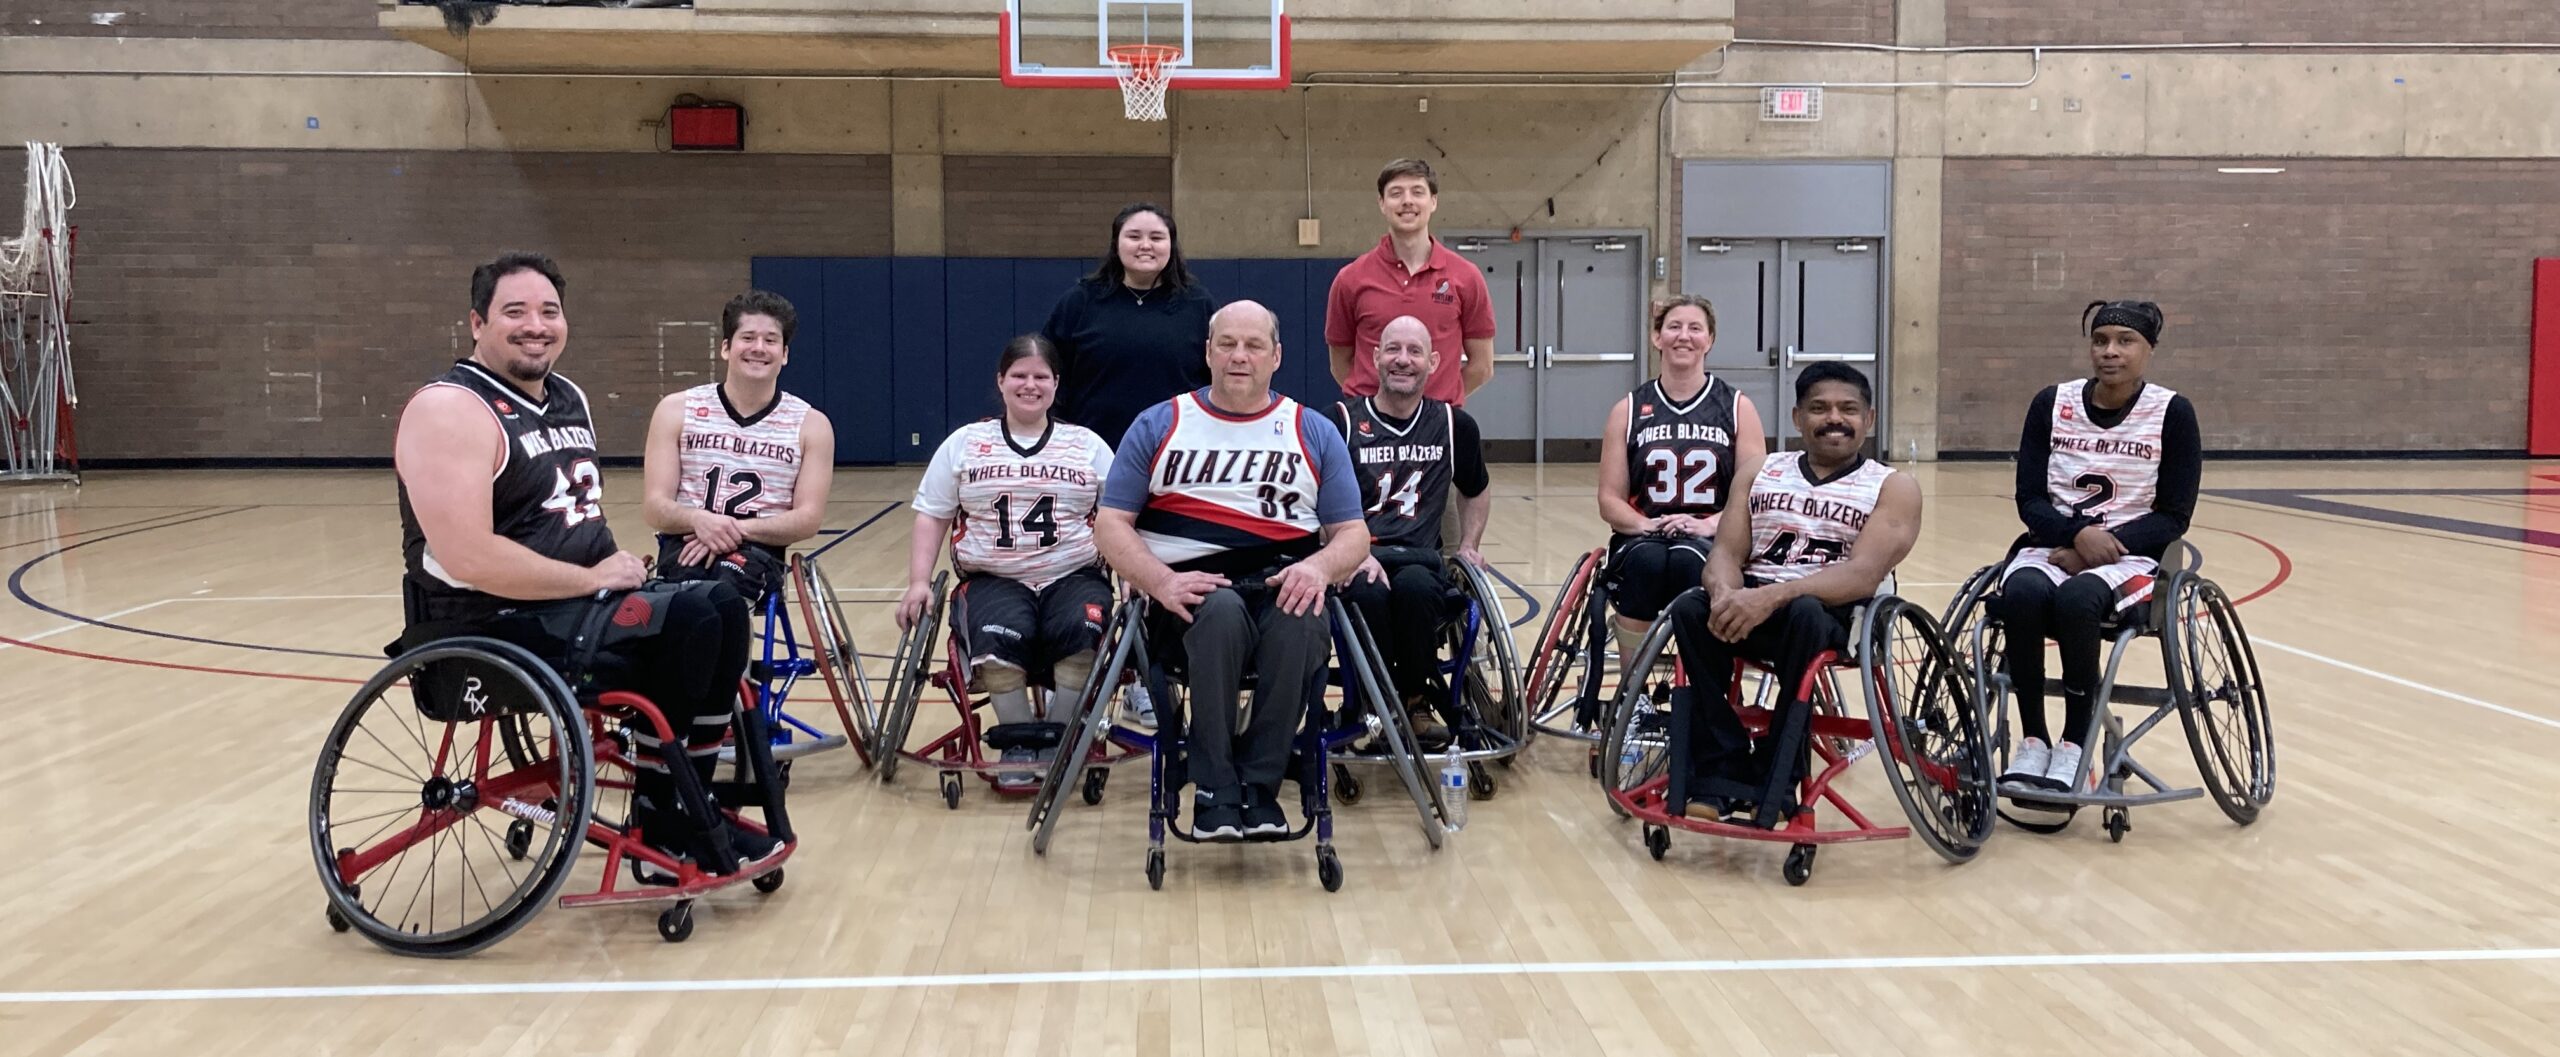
(503, 535)
(1814, 533)
(1408, 450)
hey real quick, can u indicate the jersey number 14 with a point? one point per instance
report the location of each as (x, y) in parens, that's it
(1041, 518)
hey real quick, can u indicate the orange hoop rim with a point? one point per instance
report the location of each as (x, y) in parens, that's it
(1144, 59)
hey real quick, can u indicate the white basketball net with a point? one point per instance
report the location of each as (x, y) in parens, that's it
(36, 393)
(1146, 70)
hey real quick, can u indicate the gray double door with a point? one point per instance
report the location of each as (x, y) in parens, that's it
(1570, 340)
(1784, 303)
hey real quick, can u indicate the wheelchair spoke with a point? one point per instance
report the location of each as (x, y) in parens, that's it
(395, 755)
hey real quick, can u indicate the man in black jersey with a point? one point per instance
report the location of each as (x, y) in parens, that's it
(1408, 450)
(503, 535)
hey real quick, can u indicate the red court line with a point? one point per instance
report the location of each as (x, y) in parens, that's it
(2284, 566)
(87, 656)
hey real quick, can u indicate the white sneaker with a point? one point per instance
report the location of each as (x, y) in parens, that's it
(2028, 765)
(2064, 773)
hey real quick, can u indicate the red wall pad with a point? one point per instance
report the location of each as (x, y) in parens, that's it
(2542, 414)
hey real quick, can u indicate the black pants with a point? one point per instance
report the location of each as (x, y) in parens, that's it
(1721, 760)
(682, 646)
(2031, 609)
(1647, 572)
(1406, 614)
(1006, 621)
(754, 569)
(1230, 634)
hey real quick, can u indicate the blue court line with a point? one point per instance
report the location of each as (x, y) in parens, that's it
(2306, 500)
(851, 532)
(17, 588)
(1532, 613)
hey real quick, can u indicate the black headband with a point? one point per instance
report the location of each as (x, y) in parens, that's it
(2141, 317)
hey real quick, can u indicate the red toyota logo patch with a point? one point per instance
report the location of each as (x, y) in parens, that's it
(502, 407)
(633, 612)
(1092, 613)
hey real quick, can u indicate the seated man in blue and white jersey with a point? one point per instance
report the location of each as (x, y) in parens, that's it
(1225, 484)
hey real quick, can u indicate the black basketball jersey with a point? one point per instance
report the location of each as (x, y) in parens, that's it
(1405, 470)
(547, 494)
(1680, 456)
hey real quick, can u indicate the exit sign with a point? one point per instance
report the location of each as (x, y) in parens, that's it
(1791, 104)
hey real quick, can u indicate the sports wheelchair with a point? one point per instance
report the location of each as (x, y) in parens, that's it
(1486, 721)
(458, 734)
(780, 664)
(2214, 688)
(1920, 713)
(960, 750)
(1357, 669)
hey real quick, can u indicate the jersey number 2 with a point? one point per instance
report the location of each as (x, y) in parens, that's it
(576, 493)
(2102, 491)
(1688, 479)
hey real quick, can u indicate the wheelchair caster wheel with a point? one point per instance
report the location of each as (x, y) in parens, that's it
(1480, 782)
(1155, 869)
(675, 924)
(1658, 841)
(782, 773)
(337, 921)
(1093, 783)
(1594, 765)
(951, 790)
(1329, 869)
(768, 883)
(2118, 821)
(1799, 864)
(1345, 787)
(519, 839)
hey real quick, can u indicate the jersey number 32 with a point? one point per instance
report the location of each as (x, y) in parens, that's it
(1681, 478)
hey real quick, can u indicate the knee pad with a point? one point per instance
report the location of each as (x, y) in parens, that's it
(997, 677)
(1073, 670)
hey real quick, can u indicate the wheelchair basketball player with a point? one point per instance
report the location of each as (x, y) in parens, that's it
(503, 535)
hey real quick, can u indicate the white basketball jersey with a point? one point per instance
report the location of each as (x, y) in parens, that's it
(739, 464)
(1797, 526)
(1025, 513)
(2109, 474)
(1223, 483)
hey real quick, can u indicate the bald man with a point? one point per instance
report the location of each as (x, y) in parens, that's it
(1409, 450)
(1234, 508)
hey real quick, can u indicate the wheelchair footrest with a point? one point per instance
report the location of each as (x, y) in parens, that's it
(2097, 797)
(1033, 736)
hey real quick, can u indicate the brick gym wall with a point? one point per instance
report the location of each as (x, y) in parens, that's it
(285, 303)
(2266, 21)
(1044, 205)
(1835, 21)
(191, 18)
(2342, 305)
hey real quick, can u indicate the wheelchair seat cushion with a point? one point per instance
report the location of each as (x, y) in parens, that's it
(461, 689)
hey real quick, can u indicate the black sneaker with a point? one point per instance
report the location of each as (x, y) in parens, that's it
(754, 849)
(1218, 822)
(1263, 819)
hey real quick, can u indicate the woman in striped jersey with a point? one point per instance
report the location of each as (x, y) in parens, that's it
(2108, 468)
(1016, 495)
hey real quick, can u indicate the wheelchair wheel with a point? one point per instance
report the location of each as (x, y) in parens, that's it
(1404, 751)
(413, 817)
(1493, 681)
(1927, 729)
(1092, 721)
(2221, 700)
(839, 662)
(1554, 673)
(909, 671)
(1637, 748)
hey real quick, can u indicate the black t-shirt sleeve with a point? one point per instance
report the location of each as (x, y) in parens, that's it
(1202, 306)
(1471, 478)
(2047, 525)
(2181, 477)
(1060, 330)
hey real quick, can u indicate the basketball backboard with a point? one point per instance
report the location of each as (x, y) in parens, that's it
(1225, 44)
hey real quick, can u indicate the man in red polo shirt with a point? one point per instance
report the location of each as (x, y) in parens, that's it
(1410, 274)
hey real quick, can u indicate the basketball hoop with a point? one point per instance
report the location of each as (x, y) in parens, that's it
(1145, 71)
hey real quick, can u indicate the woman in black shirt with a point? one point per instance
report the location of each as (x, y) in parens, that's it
(1135, 332)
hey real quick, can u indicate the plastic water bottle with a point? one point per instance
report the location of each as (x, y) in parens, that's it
(1453, 790)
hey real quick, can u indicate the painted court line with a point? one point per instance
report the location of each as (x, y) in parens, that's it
(1286, 972)
(51, 632)
(2410, 683)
